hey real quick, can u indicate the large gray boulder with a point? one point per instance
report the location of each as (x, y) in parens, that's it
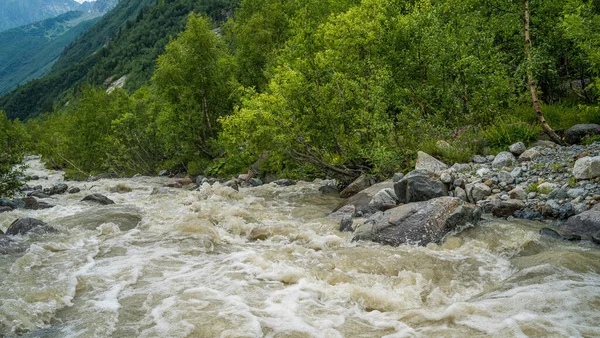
(22, 226)
(586, 223)
(384, 199)
(419, 185)
(421, 223)
(586, 168)
(429, 163)
(477, 192)
(360, 184)
(362, 200)
(574, 134)
(98, 198)
(504, 159)
(517, 148)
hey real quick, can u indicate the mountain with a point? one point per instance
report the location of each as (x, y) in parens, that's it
(29, 51)
(126, 41)
(15, 13)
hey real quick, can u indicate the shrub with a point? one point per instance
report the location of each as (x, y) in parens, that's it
(507, 131)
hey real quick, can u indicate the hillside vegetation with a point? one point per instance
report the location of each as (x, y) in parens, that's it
(335, 88)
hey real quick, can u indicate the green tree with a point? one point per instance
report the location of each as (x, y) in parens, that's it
(12, 141)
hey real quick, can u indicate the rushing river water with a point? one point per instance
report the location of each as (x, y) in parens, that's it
(267, 262)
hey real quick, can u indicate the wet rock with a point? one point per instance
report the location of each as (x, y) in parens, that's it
(22, 226)
(98, 198)
(5, 202)
(429, 163)
(586, 223)
(38, 194)
(44, 205)
(200, 179)
(528, 214)
(254, 182)
(384, 199)
(574, 134)
(477, 192)
(74, 190)
(283, 182)
(355, 187)
(530, 154)
(419, 185)
(329, 187)
(362, 201)
(346, 224)
(587, 168)
(58, 189)
(233, 184)
(423, 222)
(547, 232)
(124, 216)
(5, 209)
(517, 148)
(31, 203)
(507, 208)
(504, 159)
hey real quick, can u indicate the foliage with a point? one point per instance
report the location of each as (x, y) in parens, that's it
(13, 139)
(459, 146)
(504, 132)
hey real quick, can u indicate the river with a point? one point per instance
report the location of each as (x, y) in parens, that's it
(268, 262)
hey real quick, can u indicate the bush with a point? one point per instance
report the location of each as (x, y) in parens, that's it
(462, 144)
(500, 135)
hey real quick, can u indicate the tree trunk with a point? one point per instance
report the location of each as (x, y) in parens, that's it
(532, 83)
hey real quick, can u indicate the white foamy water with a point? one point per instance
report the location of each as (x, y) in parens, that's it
(267, 262)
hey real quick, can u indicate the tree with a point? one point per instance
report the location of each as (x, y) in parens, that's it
(12, 141)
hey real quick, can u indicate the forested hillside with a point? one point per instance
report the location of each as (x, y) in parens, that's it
(333, 88)
(28, 52)
(126, 41)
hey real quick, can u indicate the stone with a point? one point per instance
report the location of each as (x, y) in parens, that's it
(586, 223)
(461, 193)
(74, 190)
(516, 172)
(98, 198)
(383, 200)
(490, 158)
(461, 167)
(517, 194)
(531, 195)
(361, 202)
(200, 179)
(478, 159)
(44, 205)
(545, 144)
(551, 209)
(459, 182)
(574, 134)
(358, 185)
(504, 159)
(575, 193)
(38, 194)
(397, 177)
(255, 182)
(530, 154)
(58, 189)
(22, 226)
(517, 148)
(284, 182)
(507, 208)
(547, 232)
(5, 202)
(483, 172)
(587, 168)
(5, 209)
(505, 177)
(477, 192)
(163, 173)
(343, 211)
(424, 222)
(233, 184)
(443, 145)
(346, 224)
(31, 203)
(558, 194)
(429, 163)
(446, 178)
(419, 185)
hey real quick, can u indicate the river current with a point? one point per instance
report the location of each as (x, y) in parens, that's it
(268, 262)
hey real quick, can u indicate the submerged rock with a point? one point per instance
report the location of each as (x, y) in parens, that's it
(124, 216)
(22, 226)
(422, 222)
(98, 198)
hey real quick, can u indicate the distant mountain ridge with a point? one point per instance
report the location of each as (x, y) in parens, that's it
(15, 13)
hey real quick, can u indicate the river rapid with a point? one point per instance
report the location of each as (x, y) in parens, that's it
(268, 262)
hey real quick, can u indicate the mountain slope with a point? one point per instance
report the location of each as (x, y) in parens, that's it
(15, 13)
(28, 52)
(125, 41)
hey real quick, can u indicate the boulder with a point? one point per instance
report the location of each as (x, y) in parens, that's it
(507, 208)
(355, 187)
(477, 192)
(478, 159)
(397, 177)
(574, 134)
(419, 185)
(5, 209)
(98, 198)
(74, 190)
(125, 217)
(329, 187)
(504, 159)
(254, 182)
(22, 226)
(518, 193)
(530, 154)
(38, 194)
(346, 224)
(587, 168)
(5, 202)
(517, 148)
(31, 203)
(383, 200)
(59, 188)
(422, 222)
(233, 184)
(461, 193)
(429, 163)
(586, 223)
(503, 176)
(362, 201)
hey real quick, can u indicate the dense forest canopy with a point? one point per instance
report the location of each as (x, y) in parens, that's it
(328, 87)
